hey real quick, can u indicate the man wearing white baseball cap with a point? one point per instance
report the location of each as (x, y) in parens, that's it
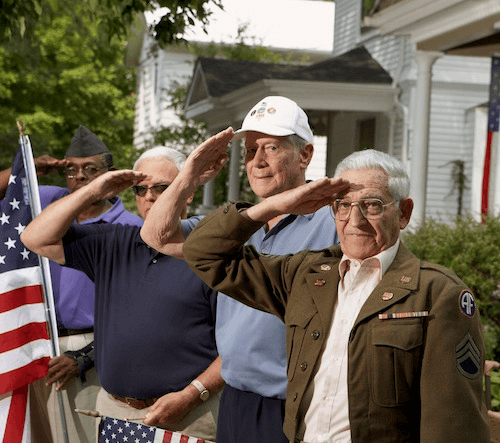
(279, 147)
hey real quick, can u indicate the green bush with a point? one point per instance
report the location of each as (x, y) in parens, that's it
(471, 249)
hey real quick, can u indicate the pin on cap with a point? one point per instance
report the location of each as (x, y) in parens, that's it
(278, 116)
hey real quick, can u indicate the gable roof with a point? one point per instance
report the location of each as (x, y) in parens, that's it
(222, 76)
(222, 91)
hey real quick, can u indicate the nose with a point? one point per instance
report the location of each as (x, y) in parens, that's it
(356, 218)
(260, 157)
(80, 175)
(149, 195)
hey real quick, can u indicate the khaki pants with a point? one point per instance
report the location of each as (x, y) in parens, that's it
(201, 422)
(44, 404)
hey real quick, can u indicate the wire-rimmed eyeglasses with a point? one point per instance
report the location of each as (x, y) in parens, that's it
(371, 208)
(156, 190)
(88, 171)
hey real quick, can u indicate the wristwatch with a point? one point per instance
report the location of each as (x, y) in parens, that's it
(204, 394)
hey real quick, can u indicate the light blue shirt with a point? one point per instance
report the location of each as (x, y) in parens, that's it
(252, 343)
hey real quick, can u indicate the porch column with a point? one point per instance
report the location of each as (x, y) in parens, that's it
(208, 198)
(420, 152)
(233, 193)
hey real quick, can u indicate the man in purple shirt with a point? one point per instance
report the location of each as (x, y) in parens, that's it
(86, 159)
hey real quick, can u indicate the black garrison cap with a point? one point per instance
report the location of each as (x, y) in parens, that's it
(85, 144)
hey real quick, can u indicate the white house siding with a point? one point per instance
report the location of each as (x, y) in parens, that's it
(451, 138)
(317, 167)
(347, 25)
(156, 75)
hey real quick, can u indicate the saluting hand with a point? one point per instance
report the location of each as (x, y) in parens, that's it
(208, 159)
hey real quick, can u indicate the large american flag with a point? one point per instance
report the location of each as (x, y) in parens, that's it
(114, 430)
(24, 340)
(493, 118)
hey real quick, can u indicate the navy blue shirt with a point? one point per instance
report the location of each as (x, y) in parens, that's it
(154, 318)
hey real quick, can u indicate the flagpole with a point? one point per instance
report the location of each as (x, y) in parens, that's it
(34, 196)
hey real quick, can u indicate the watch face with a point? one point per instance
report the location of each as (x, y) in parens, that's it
(204, 395)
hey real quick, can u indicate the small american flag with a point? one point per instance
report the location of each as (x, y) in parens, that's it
(24, 340)
(114, 430)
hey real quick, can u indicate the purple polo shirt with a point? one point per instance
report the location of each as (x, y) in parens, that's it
(74, 296)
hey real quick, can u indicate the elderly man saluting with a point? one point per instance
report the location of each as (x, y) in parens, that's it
(382, 347)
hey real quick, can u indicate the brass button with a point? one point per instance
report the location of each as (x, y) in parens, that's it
(303, 366)
(315, 334)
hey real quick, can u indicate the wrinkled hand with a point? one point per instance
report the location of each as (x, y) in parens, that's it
(62, 369)
(46, 164)
(208, 159)
(307, 198)
(112, 183)
(170, 409)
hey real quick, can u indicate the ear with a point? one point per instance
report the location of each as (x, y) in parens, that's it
(405, 209)
(306, 153)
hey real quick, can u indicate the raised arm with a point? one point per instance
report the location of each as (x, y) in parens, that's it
(44, 234)
(304, 199)
(161, 229)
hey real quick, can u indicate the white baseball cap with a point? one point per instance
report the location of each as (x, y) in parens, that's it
(277, 116)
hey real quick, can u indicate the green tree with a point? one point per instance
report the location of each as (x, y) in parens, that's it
(112, 17)
(62, 74)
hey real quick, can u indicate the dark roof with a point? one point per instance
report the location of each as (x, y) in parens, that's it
(356, 66)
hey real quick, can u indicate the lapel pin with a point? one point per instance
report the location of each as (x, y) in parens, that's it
(319, 282)
(326, 267)
(387, 296)
(405, 279)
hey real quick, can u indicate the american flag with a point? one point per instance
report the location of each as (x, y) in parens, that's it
(114, 430)
(493, 117)
(24, 339)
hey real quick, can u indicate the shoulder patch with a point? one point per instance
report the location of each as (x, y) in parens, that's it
(468, 358)
(467, 303)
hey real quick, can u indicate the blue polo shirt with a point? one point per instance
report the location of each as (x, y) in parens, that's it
(154, 318)
(252, 343)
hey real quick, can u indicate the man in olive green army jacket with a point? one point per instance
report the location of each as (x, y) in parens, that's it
(382, 347)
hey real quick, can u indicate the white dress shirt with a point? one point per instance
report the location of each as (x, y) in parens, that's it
(327, 418)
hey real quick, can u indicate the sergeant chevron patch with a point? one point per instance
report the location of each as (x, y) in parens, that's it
(468, 358)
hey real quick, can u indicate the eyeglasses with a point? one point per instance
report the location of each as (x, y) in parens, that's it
(89, 171)
(371, 208)
(156, 190)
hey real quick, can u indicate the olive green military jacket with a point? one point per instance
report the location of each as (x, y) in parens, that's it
(414, 379)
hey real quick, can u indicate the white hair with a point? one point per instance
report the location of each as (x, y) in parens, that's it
(178, 158)
(398, 180)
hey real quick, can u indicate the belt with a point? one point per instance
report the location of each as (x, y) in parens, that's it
(63, 332)
(135, 402)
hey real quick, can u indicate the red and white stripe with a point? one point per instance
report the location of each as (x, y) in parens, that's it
(24, 339)
(162, 436)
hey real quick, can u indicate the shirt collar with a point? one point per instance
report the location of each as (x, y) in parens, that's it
(384, 258)
(111, 214)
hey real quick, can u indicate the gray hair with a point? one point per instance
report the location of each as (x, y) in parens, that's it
(178, 158)
(297, 141)
(399, 182)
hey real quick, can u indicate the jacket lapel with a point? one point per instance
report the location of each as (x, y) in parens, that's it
(399, 280)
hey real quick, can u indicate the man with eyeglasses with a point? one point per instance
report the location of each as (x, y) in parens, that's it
(154, 318)
(72, 373)
(382, 347)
